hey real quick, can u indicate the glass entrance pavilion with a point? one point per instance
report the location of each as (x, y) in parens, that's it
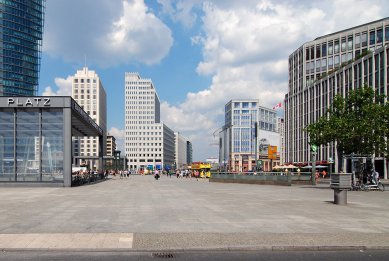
(36, 138)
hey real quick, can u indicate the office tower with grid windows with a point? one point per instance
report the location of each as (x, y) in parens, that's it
(149, 144)
(240, 142)
(329, 65)
(89, 93)
(21, 31)
(181, 151)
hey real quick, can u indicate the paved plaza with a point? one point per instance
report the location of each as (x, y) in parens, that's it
(140, 213)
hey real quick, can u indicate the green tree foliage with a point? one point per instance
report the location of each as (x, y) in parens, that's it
(358, 123)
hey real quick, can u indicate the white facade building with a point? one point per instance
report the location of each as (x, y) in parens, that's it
(181, 154)
(149, 144)
(89, 93)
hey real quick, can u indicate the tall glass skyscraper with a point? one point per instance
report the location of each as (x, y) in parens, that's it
(21, 30)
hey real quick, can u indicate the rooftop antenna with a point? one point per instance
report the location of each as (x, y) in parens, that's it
(85, 60)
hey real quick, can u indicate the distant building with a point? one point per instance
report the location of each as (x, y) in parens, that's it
(241, 143)
(181, 155)
(111, 147)
(189, 152)
(281, 131)
(21, 30)
(89, 93)
(149, 143)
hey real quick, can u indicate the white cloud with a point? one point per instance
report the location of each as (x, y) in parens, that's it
(117, 133)
(106, 34)
(180, 11)
(64, 87)
(119, 136)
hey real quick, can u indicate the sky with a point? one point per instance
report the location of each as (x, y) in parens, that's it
(199, 54)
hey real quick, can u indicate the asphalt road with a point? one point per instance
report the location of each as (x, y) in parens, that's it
(354, 255)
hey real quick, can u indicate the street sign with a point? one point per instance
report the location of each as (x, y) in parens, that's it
(314, 148)
(272, 152)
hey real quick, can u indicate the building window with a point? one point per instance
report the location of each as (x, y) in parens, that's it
(330, 48)
(350, 43)
(379, 36)
(336, 47)
(324, 49)
(372, 37)
(364, 39)
(343, 44)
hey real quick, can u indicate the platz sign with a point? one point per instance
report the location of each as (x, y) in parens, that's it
(29, 102)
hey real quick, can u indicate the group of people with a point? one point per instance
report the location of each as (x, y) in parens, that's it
(182, 173)
(323, 174)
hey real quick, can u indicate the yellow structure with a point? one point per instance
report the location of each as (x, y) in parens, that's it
(203, 168)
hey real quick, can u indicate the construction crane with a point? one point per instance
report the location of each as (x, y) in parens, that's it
(215, 143)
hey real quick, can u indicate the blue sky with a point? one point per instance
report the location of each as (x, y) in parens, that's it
(199, 54)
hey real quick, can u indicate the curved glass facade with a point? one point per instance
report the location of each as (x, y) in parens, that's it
(21, 29)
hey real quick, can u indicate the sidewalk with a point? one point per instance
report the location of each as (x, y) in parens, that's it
(140, 213)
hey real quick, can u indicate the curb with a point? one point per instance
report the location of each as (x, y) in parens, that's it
(217, 249)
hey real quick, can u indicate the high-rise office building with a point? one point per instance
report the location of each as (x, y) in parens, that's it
(21, 30)
(329, 65)
(240, 142)
(111, 147)
(181, 154)
(89, 93)
(189, 152)
(149, 143)
(281, 131)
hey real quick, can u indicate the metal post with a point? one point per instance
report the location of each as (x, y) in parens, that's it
(340, 196)
(256, 145)
(313, 174)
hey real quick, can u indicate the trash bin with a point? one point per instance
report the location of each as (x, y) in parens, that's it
(340, 183)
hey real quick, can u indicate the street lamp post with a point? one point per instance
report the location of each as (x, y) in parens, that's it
(313, 155)
(117, 156)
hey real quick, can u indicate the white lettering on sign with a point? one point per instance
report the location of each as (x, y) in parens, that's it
(47, 101)
(29, 102)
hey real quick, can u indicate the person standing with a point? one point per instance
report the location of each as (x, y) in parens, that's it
(316, 175)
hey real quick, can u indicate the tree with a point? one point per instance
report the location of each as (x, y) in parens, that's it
(358, 124)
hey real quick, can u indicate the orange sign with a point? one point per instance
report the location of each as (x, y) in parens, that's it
(272, 152)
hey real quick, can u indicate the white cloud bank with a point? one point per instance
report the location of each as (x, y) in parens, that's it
(245, 47)
(106, 34)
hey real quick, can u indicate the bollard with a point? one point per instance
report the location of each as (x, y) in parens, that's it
(340, 196)
(340, 183)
